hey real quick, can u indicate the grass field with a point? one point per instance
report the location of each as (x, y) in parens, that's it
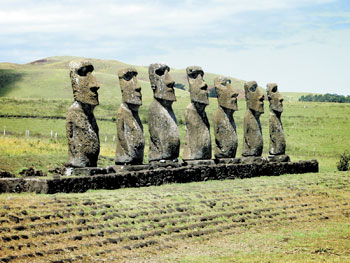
(290, 218)
(313, 130)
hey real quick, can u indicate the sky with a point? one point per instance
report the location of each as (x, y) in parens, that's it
(303, 45)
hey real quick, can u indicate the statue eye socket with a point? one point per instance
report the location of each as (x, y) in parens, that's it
(274, 89)
(160, 71)
(83, 71)
(128, 76)
(252, 89)
(224, 83)
(195, 74)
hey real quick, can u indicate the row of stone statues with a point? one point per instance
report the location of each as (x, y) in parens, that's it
(82, 129)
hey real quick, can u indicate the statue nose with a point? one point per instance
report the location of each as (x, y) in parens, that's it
(169, 82)
(204, 86)
(281, 100)
(138, 88)
(94, 88)
(92, 80)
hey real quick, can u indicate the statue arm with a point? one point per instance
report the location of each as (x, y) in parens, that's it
(155, 125)
(123, 140)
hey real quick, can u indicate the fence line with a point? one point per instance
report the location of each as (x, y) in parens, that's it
(52, 135)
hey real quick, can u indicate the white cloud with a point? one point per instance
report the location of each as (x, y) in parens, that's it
(287, 41)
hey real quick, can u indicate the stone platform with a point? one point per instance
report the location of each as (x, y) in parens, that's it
(115, 177)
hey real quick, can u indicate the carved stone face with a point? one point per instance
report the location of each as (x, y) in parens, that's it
(254, 97)
(198, 87)
(227, 95)
(161, 82)
(131, 90)
(274, 97)
(83, 82)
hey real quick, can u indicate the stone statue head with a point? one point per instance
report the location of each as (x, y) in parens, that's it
(161, 82)
(254, 97)
(274, 97)
(198, 87)
(227, 95)
(83, 82)
(131, 90)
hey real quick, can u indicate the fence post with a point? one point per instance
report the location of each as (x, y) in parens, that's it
(105, 138)
(4, 130)
(51, 134)
(56, 135)
(114, 138)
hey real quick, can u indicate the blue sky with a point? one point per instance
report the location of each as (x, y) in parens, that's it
(303, 45)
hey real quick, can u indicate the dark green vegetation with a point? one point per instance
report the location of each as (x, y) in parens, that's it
(344, 162)
(326, 98)
(302, 218)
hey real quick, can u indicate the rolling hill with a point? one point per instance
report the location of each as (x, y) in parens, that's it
(49, 78)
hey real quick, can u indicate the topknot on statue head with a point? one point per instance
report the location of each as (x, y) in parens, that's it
(84, 84)
(161, 82)
(198, 87)
(226, 94)
(254, 97)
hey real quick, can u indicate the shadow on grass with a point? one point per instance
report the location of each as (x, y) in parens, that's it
(8, 78)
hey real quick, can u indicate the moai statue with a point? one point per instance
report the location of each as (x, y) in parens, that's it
(81, 126)
(163, 130)
(253, 140)
(197, 142)
(277, 139)
(130, 138)
(224, 125)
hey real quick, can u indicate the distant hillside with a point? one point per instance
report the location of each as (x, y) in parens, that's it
(49, 78)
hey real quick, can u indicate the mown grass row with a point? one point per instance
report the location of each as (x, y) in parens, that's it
(131, 225)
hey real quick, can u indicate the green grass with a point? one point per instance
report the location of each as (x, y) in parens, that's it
(290, 218)
(313, 130)
(49, 79)
(309, 222)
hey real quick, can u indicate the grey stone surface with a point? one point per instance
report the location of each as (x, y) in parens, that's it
(199, 162)
(81, 126)
(198, 141)
(226, 139)
(130, 138)
(252, 133)
(254, 160)
(162, 124)
(228, 161)
(157, 176)
(277, 138)
(279, 158)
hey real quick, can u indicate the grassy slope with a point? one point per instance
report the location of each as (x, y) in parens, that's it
(48, 78)
(313, 130)
(290, 218)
